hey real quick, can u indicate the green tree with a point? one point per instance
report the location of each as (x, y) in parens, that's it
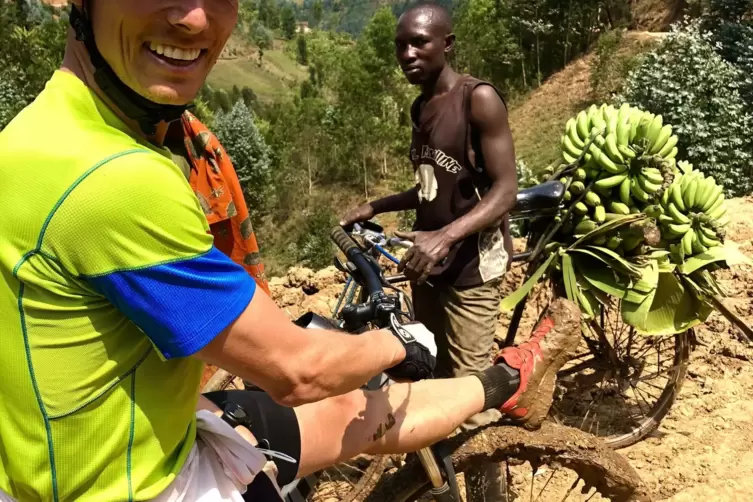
(249, 97)
(235, 96)
(698, 92)
(250, 155)
(317, 12)
(222, 100)
(287, 19)
(303, 56)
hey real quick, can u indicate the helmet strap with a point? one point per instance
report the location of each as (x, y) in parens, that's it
(135, 106)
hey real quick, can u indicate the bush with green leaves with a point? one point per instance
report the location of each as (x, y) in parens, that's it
(698, 92)
(313, 244)
(250, 155)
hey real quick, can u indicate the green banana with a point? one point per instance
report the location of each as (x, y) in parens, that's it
(592, 199)
(612, 122)
(623, 114)
(631, 242)
(708, 232)
(580, 174)
(704, 191)
(654, 129)
(614, 242)
(572, 132)
(653, 175)
(668, 146)
(585, 226)
(673, 154)
(582, 125)
(687, 243)
(647, 186)
(605, 162)
(654, 210)
(679, 230)
(600, 214)
(611, 181)
(569, 158)
(718, 212)
(676, 214)
(716, 198)
(666, 219)
(611, 148)
(638, 192)
(625, 197)
(577, 187)
(568, 196)
(676, 196)
(643, 126)
(626, 151)
(688, 195)
(705, 240)
(591, 113)
(635, 119)
(697, 247)
(569, 147)
(580, 208)
(619, 208)
(665, 197)
(599, 124)
(661, 139)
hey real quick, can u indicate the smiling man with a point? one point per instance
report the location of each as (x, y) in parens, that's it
(114, 294)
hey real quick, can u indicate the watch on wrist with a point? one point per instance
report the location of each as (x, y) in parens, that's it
(234, 415)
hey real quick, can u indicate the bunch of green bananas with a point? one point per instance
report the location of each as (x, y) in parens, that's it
(692, 213)
(616, 137)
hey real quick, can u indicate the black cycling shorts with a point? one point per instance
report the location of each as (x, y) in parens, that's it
(273, 425)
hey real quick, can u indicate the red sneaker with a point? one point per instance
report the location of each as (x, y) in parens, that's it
(538, 360)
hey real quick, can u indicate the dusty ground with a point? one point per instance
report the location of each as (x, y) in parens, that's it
(703, 449)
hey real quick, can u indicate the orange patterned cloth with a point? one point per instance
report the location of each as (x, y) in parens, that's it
(216, 184)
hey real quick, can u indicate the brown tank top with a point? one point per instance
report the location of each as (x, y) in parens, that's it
(449, 169)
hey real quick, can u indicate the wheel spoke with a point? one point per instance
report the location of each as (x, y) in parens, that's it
(570, 490)
(538, 497)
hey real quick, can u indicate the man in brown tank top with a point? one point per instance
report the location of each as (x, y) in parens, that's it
(466, 183)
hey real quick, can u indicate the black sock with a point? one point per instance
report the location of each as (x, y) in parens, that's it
(500, 383)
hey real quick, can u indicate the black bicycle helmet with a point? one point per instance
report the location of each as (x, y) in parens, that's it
(135, 106)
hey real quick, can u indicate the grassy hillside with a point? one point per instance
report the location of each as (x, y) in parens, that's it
(537, 120)
(270, 78)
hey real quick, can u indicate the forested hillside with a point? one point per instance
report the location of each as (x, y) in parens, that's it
(317, 117)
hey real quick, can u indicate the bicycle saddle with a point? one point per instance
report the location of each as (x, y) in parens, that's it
(544, 196)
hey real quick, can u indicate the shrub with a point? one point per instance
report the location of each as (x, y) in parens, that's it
(698, 92)
(313, 243)
(250, 155)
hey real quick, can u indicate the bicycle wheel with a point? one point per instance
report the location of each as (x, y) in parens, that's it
(555, 463)
(620, 385)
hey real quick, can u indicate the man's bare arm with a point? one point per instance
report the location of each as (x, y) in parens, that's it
(489, 117)
(402, 201)
(294, 365)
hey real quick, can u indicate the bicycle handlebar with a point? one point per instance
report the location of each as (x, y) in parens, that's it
(368, 270)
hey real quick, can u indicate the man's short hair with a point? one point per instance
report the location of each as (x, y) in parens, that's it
(439, 15)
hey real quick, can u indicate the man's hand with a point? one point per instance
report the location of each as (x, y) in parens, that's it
(362, 213)
(429, 248)
(420, 351)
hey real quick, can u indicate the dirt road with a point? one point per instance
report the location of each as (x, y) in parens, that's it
(703, 449)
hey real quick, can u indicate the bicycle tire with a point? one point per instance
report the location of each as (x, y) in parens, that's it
(600, 467)
(656, 407)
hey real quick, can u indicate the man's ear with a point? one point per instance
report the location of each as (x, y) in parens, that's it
(449, 43)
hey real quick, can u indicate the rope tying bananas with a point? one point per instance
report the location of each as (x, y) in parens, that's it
(636, 224)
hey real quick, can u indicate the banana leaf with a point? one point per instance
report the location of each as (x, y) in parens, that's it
(610, 259)
(635, 314)
(674, 308)
(568, 276)
(607, 280)
(511, 301)
(728, 253)
(608, 227)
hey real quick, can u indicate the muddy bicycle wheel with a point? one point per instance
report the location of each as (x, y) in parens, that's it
(555, 463)
(619, 385)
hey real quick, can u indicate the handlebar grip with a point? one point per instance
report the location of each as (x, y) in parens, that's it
(343, 241)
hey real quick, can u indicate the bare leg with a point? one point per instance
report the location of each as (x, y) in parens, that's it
(398, 419)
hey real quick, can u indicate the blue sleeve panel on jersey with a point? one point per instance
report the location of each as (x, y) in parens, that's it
(182, 305)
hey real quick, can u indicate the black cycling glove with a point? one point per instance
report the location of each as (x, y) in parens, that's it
(420, 351)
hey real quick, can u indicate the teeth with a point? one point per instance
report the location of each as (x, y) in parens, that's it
(175, 52)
